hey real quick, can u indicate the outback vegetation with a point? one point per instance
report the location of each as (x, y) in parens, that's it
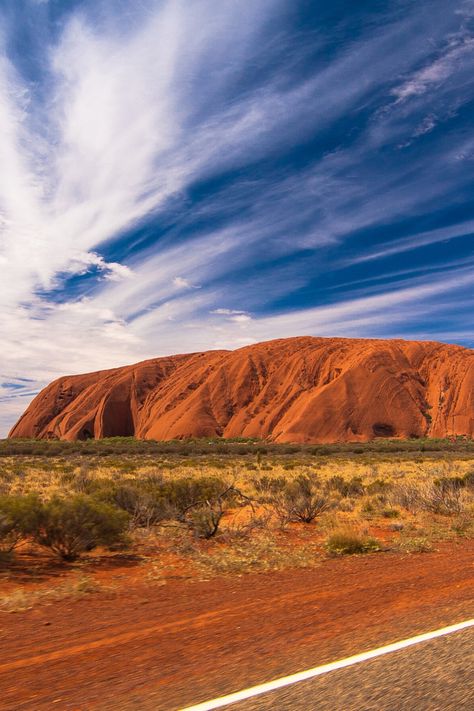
(237, 446)
(203, 508)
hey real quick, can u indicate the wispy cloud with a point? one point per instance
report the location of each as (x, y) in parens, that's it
(459, 50)
(81, 264)
(227, 312)
(181, 283)
(422, 239)
(182, 175)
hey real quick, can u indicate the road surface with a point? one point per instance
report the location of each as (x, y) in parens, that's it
(432, 676)
(148, 647)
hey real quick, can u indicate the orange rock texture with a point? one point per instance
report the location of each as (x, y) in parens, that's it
(288, 390)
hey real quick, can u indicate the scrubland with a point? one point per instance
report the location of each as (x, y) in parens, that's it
(80, 517)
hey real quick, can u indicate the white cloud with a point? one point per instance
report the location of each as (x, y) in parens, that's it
(227, 312)
(241, 318)
(132, 116)
(118, 145)
(181, 283)
(422, 239)
(437, 71)
(426, 126)
(112, 271)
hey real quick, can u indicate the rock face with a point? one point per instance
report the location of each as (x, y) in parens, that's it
(288, 390)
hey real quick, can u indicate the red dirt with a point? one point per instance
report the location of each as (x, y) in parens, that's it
(290, 390)
(163, 647)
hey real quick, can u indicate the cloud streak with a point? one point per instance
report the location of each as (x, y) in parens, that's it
(183, 175)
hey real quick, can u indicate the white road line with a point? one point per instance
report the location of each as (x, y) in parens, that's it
(325, 668)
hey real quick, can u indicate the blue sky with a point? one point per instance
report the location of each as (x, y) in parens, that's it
(178, 175)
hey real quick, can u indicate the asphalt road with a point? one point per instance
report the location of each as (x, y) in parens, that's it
(434, 676)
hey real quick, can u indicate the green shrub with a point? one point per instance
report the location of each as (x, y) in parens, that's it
(145, 508)
(204, 520)
(463, 524)
(430, 496)
(180, 495)
(19, 517)
(379, 486)
(200, 503)
(197, 502)
(150, 500)
(301, 500)
(70, 527)
(269, 485)
(347, 488)
(348, 542)
(368, 508)
(391, 513)
(446, 499)
(416, 544)
(469, 479)
(450, 483)
(407, 495)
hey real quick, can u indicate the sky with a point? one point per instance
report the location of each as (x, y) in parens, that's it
(184, 175)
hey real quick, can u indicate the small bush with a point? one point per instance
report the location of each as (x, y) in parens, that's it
(416, 544)
(145, 508)
(301, 500)
(204, 517)
(83, 483)
(346, 505)
(399, 526)
(450, 483)
(348, 542)
(18, 518)
(430, 496)
(368, 508)
(469, 479)
(463, 524)
(407, 496)
(185, 494)
(269, 485)
(444, 499)
(244, 530)
(391, 513)
(379, 486)
(151, 500)
(204, 520)
(69, 527)
(345, 487)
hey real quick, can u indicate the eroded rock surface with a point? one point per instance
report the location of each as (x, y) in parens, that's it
(289, 390)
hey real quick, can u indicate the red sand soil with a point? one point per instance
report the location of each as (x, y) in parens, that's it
(146, 646)
(289, 390)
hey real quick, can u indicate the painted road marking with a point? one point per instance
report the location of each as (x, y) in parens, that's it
(325, 668)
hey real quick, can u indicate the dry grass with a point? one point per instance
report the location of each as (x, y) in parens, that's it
(21, 599)
(262, 552)
(350, 541)
(50, 475)
(369, 495)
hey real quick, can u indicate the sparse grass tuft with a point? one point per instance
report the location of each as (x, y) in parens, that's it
(21, 600)
(260, 553)
(351, 542)
(416, 544)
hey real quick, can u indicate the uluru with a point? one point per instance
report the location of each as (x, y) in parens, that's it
(302, 389)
